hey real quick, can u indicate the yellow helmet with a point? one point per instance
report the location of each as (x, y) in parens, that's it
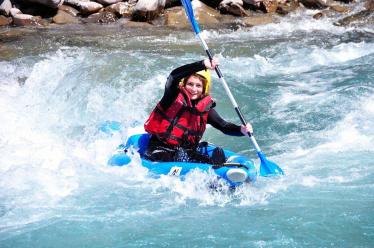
(206, 74)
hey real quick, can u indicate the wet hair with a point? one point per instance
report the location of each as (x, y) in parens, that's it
(202, 79)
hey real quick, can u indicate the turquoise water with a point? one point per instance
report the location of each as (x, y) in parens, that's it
(306, 86)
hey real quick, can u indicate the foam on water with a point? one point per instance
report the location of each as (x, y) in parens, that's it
(311, 104)
(332, 156)
(296, 60)
(52, 152)
(353, 132)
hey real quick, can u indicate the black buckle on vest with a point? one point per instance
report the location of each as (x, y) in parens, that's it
(203, 147)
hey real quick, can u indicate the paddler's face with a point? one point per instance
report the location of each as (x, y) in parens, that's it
(194, 86)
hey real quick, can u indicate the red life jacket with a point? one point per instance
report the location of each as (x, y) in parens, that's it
(182, 124)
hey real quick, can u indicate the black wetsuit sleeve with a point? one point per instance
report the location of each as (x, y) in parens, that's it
(228, 128)
(172, 83)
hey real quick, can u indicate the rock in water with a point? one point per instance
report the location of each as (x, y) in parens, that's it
(5, 6)
(63, 17)
(147, 10)
(49, 3)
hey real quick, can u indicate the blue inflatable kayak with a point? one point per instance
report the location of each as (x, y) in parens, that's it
(236, 171)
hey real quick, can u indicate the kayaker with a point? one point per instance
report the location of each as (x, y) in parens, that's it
(179, 120)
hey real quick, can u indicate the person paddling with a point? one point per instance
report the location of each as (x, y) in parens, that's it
(179, 120)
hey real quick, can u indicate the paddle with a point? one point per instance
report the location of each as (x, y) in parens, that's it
(267, 168)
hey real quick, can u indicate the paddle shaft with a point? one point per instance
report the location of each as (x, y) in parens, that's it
(266, 167)
(228, 92)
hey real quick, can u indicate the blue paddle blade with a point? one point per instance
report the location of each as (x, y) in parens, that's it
(189, 12)
(268, 168)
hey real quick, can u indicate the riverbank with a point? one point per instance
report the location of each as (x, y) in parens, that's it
(150, 14)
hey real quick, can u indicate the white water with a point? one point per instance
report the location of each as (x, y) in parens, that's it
(310, 100)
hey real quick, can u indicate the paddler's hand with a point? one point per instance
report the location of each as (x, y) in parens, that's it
(246, 129)
(211, 64)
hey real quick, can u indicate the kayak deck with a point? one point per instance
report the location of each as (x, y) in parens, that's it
(236, 170)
